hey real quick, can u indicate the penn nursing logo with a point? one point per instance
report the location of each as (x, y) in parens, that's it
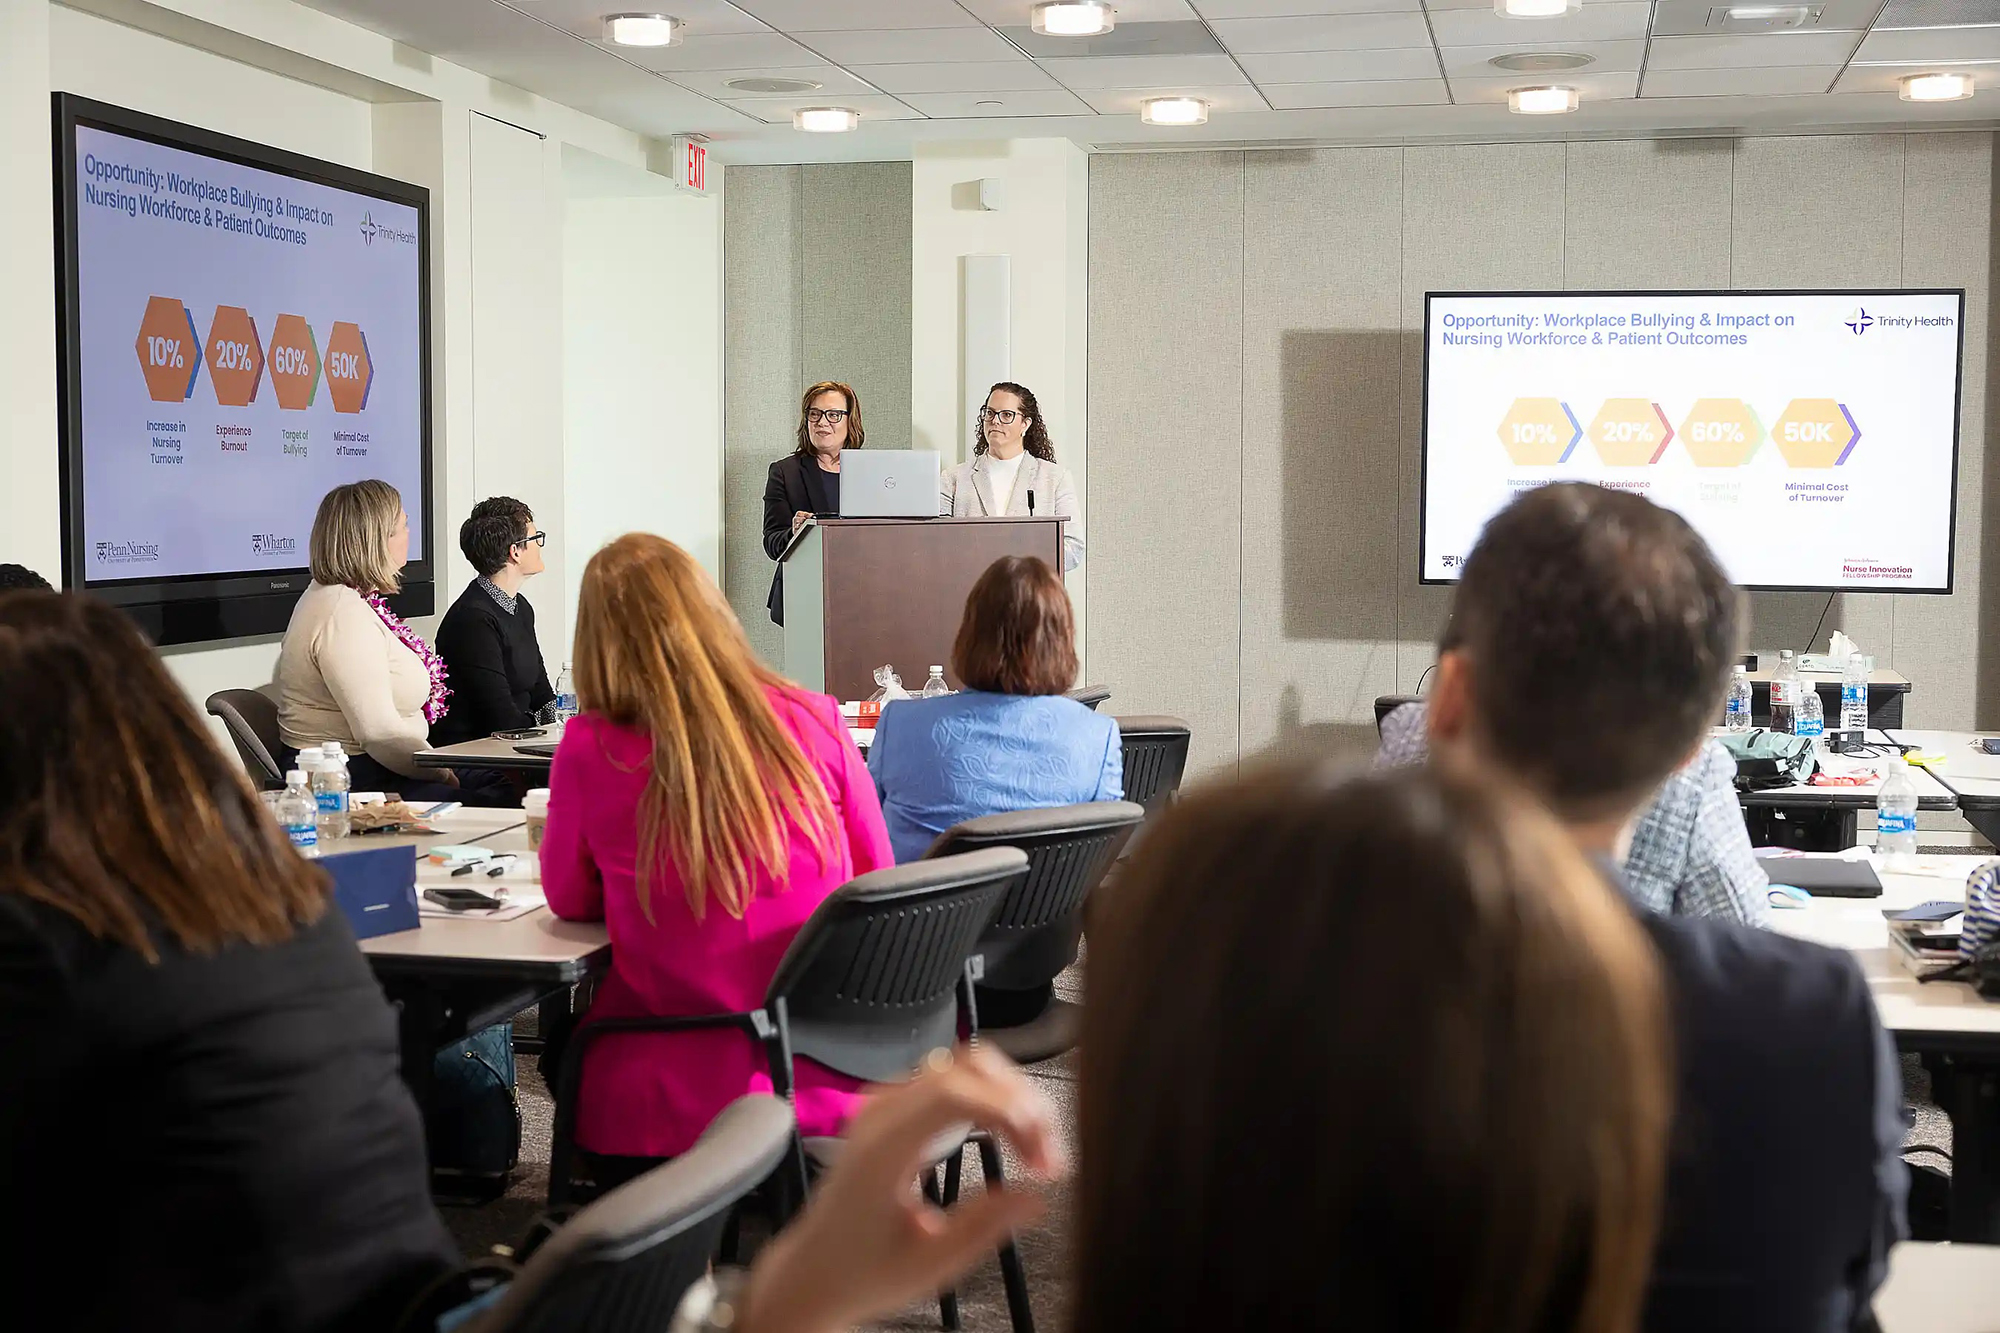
(1860, 322)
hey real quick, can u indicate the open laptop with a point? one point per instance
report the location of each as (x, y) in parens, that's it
(889, 483)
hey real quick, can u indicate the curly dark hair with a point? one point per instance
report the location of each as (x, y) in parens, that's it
(1037, 441)
(491, 532)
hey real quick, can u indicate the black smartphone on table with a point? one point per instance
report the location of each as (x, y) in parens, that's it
(462, 900)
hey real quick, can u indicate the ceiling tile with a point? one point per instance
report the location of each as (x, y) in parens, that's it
(830, 78)
(778, 110)
(1221, 101)
(1329, 32)
(1191, 37)
(1620, 21)
(1258, 9)
(908, 46)
(1781, 81)
(1592, 87)
(826, 15)
(751, 50)
(1758, 51)
(966, 105)
(989, 76)
(1932, 44)
(1933, 13)
(1342, 66)
(1381, 92)
(1001, 13)
(1690, 18)
(1144, 72)
(1606, 58)
(1887, 78)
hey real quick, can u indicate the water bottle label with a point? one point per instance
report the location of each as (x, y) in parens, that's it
(331, 802)
(1810, 726)
(1738, 708)
(303, 835)
(1888, 823)
(566, 704)
(1853, 696)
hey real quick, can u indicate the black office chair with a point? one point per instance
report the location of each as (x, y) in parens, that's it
(1090, 696)
(1156, 752)
(624, 1262)
(252, 719)
(1386, 704)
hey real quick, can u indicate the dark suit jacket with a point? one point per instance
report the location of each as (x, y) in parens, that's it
(225, 1137)
(1785, 1179)
(793, 486)
(494, 665)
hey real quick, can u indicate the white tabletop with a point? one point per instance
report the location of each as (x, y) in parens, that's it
(491, 752)
(1856, 924)
(1931, 793)
(1965, 768)
(1938, 1288)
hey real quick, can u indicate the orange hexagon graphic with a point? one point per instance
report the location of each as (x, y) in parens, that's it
(169, 350)
(235, 360)
(1630, 432)
(1539, 432)
(349, 372)
(1815, 432)
(1721, 432)
(294, 363)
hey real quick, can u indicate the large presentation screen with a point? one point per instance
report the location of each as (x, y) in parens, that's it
(1810, 437)
(246, 331)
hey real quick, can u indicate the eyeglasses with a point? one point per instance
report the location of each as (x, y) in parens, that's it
(534, 538)
(832, 416)
(1004, 416)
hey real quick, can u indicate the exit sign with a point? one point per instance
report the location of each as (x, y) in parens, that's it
(690, 164)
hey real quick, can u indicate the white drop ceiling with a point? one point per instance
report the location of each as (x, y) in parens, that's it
(1276, 71)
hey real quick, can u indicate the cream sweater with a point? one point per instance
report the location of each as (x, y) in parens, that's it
(343, 676)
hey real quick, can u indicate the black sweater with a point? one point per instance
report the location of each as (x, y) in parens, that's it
(495, 667)
(225, 1137)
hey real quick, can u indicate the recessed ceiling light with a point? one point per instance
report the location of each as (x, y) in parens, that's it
(642, 29)
(1072, 18)
(759, 85)
(825, 119)
(991, 101)
(1541, 101)
(1541, 62)
(1535, 9)
(1936, 88)
(1174, 111)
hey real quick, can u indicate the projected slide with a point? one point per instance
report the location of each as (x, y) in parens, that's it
(248, 341)
(1810, 437)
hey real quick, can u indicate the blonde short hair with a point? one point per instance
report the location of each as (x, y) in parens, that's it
(350, 537)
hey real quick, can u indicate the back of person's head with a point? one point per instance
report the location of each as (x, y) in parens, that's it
(1018, 634)
(1376, 1051)
(350, 536)
(491, 531)
(20, 577)
(116, 808)
(1594, 633)
(856, 436)
(658, 650)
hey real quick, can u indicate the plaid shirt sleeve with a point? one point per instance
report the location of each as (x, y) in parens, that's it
(1691, 853)
(1405, 739)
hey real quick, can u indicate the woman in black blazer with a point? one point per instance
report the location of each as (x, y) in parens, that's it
(806, 482)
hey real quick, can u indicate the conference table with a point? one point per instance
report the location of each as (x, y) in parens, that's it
(1939, 1288)
(1886, 692)
(1947, 1023)
(1972, 775)
(1811, 818)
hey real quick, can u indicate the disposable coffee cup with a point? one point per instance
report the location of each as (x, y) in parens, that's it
(535, 805)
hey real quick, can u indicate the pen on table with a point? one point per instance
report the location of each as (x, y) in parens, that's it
(497, 864)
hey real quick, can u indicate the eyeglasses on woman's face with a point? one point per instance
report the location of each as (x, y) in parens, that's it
(999, 416)
(832, 416)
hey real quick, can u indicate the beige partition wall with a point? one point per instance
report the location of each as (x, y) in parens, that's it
(1256, 392)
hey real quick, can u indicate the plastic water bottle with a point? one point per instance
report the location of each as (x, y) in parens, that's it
(1736, 709)
(565, 694)
(1811, 721)
(935, 686)
(329, 788)
(1896, 817)
(1854, 696)
(298, 814)
(1785, 689)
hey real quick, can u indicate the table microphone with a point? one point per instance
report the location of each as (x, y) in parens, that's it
(1031, 504)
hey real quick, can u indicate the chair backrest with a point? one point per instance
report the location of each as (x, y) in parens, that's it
(252, 719)
(1034, 934)
(1156, 752)
(1386, 704)
(870, 984)
(1090, 696)
(625, 1261)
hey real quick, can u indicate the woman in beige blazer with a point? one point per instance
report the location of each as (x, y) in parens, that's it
(1013, 470)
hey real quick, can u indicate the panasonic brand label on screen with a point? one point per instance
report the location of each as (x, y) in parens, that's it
(1811, 437)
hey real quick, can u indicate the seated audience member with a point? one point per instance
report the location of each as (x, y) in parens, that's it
(350, 670)
(203, 1104)
(21, 577)
(1500, 1175)
(1785, 1184)
(487, 639)
(1690, 853)
(1010, 740)
(702, 807)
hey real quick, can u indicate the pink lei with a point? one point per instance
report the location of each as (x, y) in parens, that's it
(436, 706)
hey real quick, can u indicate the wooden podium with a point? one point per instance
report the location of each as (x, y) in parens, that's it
(862, 592)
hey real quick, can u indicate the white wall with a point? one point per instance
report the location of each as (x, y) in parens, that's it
(1043, 227)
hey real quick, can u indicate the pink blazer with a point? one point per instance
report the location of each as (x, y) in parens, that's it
(651, 1095)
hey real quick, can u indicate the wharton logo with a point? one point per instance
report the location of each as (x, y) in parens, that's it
(268, 543)
(370, 229)
(1861, 323)
(127, 553)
